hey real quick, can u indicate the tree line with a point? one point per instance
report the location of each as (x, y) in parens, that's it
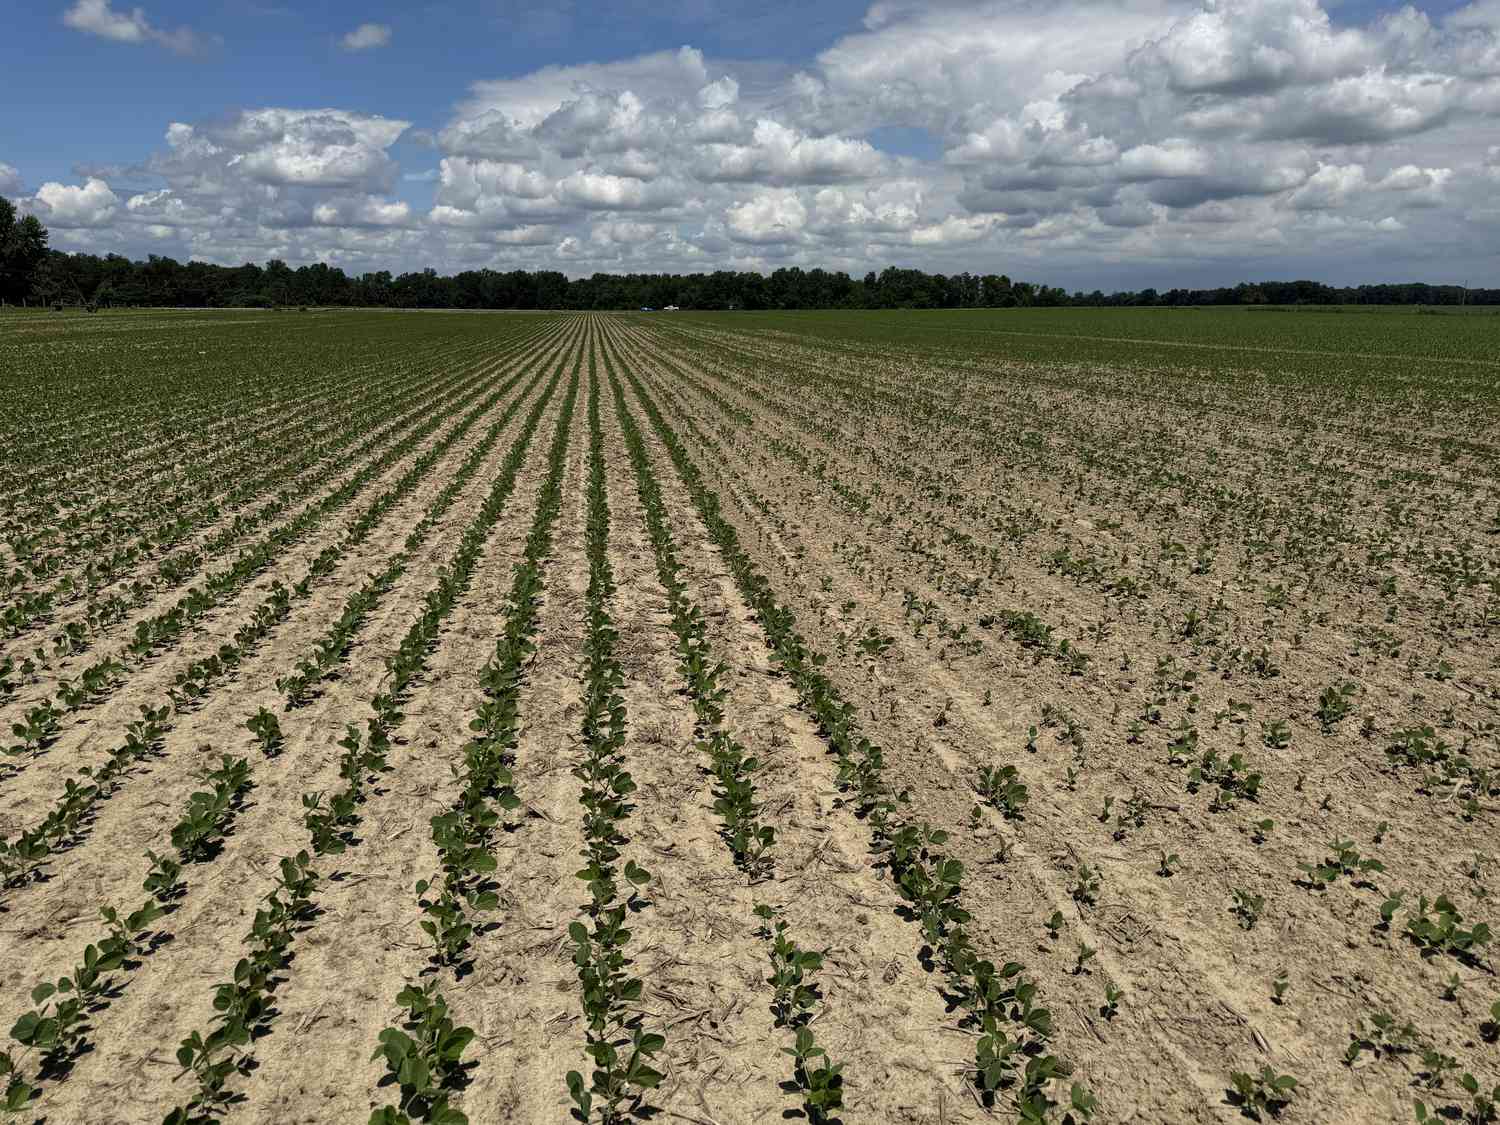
(30, 272)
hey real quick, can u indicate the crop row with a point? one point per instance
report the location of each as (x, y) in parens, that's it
(818, 1080)
(212, 1057)
(246, 1015)
(294, 449)
(100, 613)
(157, 523)
(21, 855)
(95, 683)
(620, 1047)
(1184, 722)
(1000, 1002)
(160, 484)
(423, 1056)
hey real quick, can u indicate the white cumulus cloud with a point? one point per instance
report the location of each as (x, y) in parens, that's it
(767, 218)
(367, 37)
(97, 17)
(91, 204)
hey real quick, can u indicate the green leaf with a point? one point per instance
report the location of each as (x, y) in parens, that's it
(394, 1045)
(579, 1093)
(17, 1094)
(455, 1041)
(33, 1030)
(414, 1072)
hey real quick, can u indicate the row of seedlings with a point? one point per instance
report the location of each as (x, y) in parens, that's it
(244, 1005)
(618, 1044)
(297, 685)
(133, 467)
(74, 637)
(423, 1055)
(1230, 780)
(817, 1078)
(162, 631)
(195, 840)
(54, 1032)
(301, 449)
(108, 520)
(89, 469)
(314, 452)
(999, 1001)
(22, 856)
(471, 386)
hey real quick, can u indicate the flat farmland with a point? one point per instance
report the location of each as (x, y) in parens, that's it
(1031, 715)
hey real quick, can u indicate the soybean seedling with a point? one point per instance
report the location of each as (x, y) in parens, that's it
(1345, 860)
(1388, 910)
(1279, 985)
(1002, 788)
(1054, 924)
(1383, 1037)
(1111, 1005)
(1133, 815)
(1441, 930)
(267, 730)
(1277, 734)
(1086, 887)
(1267, 1091)
(1489, 1030)
(1247, 907)
(819, 1079)
(792, 970)
(1485, 1105)
(1436, 1066)
(1334, 704)
(424, 1060)
(1085, 954)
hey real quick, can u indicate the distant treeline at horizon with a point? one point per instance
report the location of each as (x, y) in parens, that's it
(113, 280)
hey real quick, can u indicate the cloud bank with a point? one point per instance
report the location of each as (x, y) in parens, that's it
(1081, 138)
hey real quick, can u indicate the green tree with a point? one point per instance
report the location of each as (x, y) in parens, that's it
(49, 281)
(23, 247)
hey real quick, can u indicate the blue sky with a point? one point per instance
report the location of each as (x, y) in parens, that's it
(1137, 140)
(110, 100)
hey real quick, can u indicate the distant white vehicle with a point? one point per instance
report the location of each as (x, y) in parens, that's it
(670, 308)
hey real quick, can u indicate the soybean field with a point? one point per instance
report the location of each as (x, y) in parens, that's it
(1021, 715)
